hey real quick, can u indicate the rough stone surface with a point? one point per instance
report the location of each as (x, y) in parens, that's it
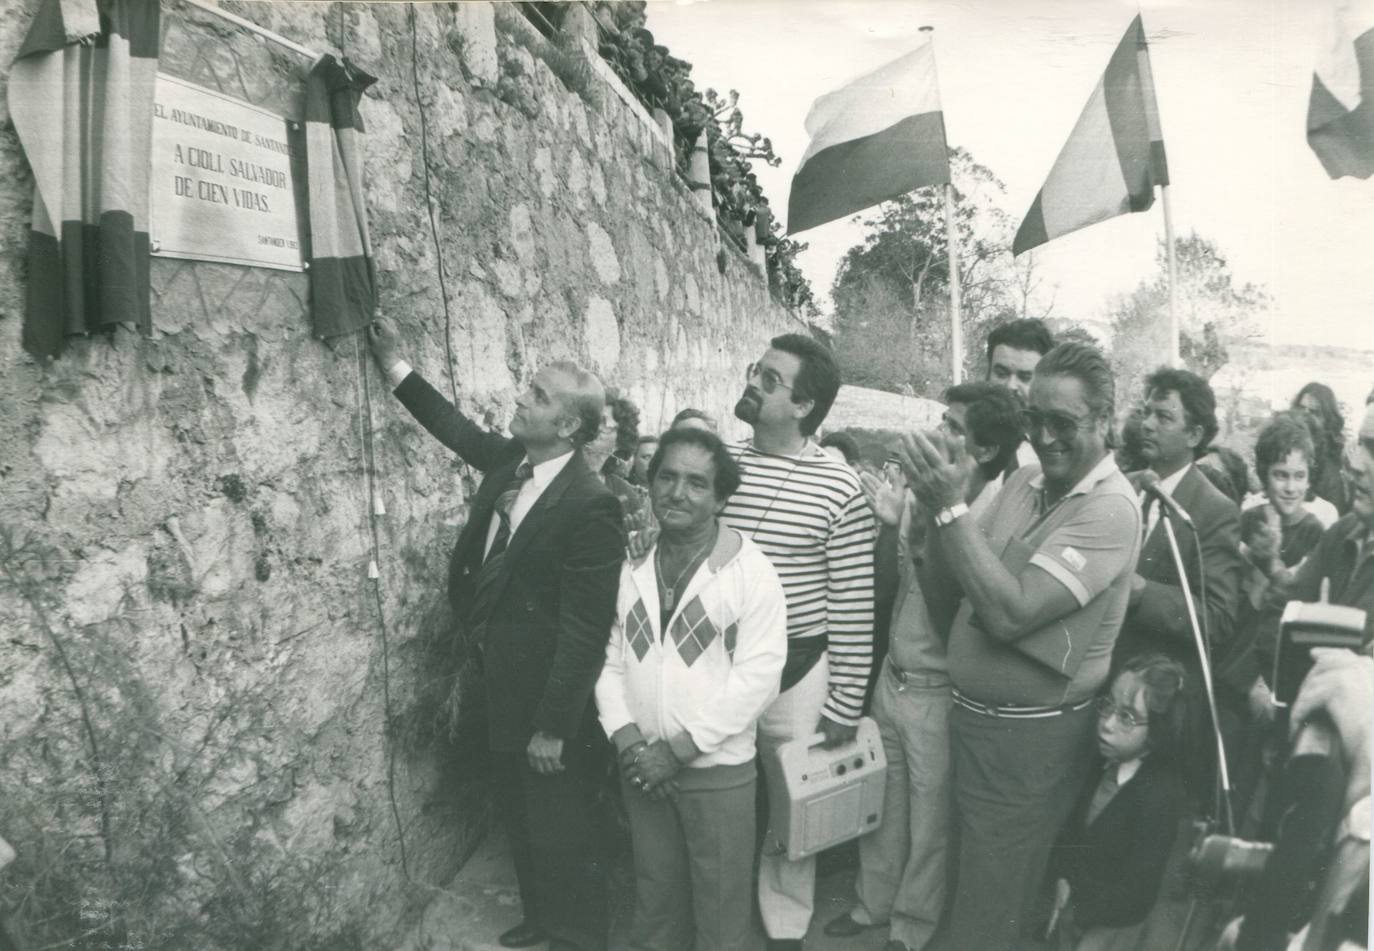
(197, 670)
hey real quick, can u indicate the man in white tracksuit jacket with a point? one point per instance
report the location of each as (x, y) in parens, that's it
(695, 656)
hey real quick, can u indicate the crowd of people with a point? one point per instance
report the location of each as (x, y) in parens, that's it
(1063, 619)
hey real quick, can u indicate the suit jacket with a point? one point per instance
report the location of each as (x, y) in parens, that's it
(554, 599)
(1114, 864)
(1159, 620)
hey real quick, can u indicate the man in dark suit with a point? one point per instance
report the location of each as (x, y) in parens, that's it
(534, 576)
(1178, 423)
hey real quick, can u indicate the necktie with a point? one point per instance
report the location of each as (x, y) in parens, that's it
(1106, 789)
(504, 503)
(1145, 515)
(483, 588)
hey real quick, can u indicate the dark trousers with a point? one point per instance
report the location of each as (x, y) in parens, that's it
(1015, 783)
(554, 828)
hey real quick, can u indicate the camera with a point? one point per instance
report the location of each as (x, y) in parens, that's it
(1280, 879)
(1302, 627)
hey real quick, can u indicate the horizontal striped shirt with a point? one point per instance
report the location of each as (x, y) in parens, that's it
(808, 514)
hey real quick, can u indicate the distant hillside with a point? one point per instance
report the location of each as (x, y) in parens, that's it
(1274, 374)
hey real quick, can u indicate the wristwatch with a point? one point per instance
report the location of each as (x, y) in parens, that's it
(947, 516)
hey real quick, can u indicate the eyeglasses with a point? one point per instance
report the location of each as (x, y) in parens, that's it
(1128, 718)
(1061, 426)
(769, 378)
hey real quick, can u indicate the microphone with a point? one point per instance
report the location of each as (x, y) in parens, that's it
(1149, 484)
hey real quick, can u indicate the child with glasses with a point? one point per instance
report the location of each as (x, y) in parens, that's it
(1110, 858)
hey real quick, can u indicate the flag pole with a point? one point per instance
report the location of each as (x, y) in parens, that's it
(1175, 350)
(956, 335)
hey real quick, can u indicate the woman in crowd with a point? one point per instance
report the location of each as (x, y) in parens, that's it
(639, 470)
(1319, 402)
(619, 435)
(695, 655)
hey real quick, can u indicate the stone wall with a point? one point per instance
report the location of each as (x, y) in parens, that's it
(212, 721)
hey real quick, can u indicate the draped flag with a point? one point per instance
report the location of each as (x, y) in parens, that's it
(343, 278)
(1340, 111)
(1114, 157)
(81, 98)
(879, 137)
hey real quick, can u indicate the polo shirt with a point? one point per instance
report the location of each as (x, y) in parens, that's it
(1088, 541)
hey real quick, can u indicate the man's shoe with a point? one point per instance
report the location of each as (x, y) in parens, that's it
(524, 935)
(784, 944)
(844, 927)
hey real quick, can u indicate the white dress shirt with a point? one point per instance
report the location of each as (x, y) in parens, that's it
(543, 473)
(534, 486)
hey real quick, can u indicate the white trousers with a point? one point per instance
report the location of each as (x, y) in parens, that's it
(787, 890)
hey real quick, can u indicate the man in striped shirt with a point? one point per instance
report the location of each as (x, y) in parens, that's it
(807, 512)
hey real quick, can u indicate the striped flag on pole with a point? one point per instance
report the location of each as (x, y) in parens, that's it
(1340, 111)
(1114, 157)
(81, 98)
(879, 137)
(343, 279)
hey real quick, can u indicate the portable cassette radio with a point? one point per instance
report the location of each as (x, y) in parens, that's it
(818, 797)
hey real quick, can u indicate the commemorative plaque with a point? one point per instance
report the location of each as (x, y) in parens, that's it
(227, 180)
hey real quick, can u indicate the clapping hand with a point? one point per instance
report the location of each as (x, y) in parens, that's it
(1264, 541)
(886, 500)
(936, 470)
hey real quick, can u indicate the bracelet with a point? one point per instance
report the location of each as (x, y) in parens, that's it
(634, 750)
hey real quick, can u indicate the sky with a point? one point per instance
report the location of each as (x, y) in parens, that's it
(1232, 79)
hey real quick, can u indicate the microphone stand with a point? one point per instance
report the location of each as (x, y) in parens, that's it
(1205, 656)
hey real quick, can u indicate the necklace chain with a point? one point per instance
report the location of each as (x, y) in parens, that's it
(670, 591)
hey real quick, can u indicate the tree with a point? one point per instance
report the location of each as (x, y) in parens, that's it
(1213, 309)
(891, 292)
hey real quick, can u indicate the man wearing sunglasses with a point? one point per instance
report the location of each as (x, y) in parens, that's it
(807, 512)
(1036, 588)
